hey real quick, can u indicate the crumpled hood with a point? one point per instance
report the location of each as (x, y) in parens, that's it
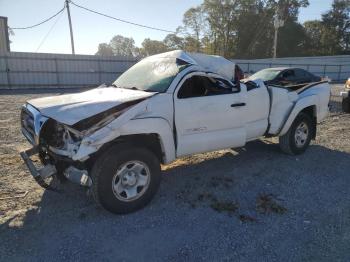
(72, 108)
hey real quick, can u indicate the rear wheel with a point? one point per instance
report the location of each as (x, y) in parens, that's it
(299, 135)
(125, 179)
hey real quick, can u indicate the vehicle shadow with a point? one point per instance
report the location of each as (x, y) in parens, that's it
(67, 217)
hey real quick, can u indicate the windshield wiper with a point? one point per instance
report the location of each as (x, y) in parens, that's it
(132, 88)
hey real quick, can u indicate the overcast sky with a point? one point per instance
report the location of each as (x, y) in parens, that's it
(90, 29)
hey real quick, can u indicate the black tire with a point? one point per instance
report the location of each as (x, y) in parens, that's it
(288, 143)
(346, 104)
(105, 168)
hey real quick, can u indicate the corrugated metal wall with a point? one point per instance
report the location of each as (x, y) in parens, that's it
(32, 70)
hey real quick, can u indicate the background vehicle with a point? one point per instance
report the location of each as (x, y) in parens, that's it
(346, 97)
(170, 105)
(285, 76)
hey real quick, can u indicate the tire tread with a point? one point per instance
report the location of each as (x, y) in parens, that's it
(285, 141)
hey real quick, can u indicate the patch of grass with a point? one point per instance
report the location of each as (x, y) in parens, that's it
(268, 203)
(221, 181)
(227, 206)
(206, 196)
(246, 218)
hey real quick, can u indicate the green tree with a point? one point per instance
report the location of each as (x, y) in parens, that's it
(337, 27)
(255, 30)
(152, 47)
(221, 16)
(190, 44)
(193, 21)
(123, 46)
(314, 31)
(289, 9)
(244, 28)
(104, 49)
(174, 42)
(331, 35)
(292, 40)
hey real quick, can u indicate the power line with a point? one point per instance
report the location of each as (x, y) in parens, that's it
(51, 28)
(46, 20)
(121, 20)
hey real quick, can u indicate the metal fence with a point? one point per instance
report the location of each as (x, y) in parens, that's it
(19, 70)
(32, 70)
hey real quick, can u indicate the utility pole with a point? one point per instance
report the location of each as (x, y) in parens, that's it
(70, 27)
(277, 24)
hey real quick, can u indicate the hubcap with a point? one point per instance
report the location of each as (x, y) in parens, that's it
(131, 180)
(301, 134)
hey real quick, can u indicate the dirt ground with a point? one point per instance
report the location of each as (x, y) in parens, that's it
(251, 204)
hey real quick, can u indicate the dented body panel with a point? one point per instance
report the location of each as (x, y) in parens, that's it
(72, 108)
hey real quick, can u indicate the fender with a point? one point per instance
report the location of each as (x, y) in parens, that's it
(152, 125)
(297, 108)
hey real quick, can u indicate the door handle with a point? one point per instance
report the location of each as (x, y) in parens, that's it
(238, 104)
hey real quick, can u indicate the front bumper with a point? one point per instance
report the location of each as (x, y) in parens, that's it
(40, 174)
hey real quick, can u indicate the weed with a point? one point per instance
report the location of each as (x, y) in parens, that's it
(246, 218)
(268, 203)
(227, 206)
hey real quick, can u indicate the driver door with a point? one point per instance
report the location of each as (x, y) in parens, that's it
(209, 114)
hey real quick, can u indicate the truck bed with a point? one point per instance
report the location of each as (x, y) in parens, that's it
(283, 100)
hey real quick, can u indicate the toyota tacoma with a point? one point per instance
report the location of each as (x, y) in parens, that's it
(113, 139)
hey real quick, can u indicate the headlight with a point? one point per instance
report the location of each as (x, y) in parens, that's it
(31, 123)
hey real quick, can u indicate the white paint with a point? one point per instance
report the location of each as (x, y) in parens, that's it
(282, 102)
(207, 63)
(256, 111)
(318, 97)
(208, 123)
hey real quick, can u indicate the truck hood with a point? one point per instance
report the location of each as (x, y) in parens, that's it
(72, 108)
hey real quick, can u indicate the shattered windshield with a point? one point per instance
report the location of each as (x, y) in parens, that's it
(151, 74)
(265, 75)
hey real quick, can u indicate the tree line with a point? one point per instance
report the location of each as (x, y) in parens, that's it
(245, 29)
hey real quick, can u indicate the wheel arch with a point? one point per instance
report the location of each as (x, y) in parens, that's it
(154, 134)
(307, 105)
(150, 141)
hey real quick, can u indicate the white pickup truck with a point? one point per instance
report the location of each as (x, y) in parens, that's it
(114, 138)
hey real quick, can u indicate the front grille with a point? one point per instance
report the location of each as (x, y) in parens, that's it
(27, 123)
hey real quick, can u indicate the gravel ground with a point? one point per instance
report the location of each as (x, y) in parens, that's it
(251, 204)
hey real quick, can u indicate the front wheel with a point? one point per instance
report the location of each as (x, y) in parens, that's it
(299, 135)
(125, 179)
